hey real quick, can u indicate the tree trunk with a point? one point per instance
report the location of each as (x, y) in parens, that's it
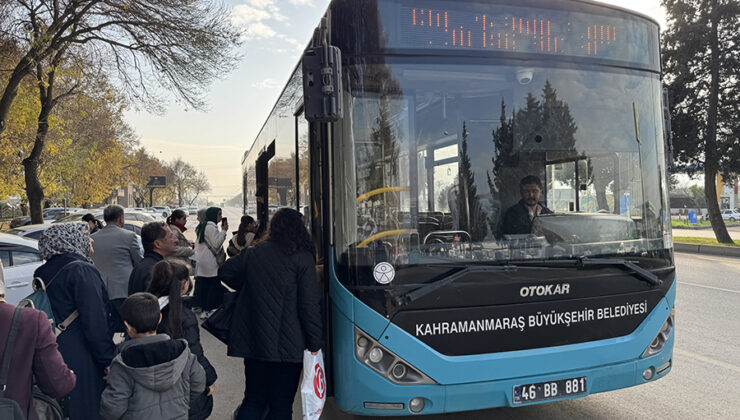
(711, 164)
(34, 190)
(11, 89)
(715, 216)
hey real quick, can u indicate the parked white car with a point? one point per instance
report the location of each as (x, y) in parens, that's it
(731, 215)
(163, 210)
(20, 258)
(30, 231)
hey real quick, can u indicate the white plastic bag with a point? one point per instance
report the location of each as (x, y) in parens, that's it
(313, 385)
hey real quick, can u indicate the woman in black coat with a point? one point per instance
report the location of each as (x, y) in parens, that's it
(170, 281)
(74, 284)
(277, 314)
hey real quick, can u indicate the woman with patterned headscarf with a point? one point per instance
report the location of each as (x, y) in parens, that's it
(74, 284)
(209, 254)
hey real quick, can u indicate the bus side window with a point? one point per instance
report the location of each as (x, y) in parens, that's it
(304, 170)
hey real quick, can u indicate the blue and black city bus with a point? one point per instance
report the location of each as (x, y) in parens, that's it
(486, 184)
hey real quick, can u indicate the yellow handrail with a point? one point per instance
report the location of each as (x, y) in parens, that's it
(384, 234)
(377, 191)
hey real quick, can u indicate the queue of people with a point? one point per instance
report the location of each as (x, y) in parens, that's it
(160, 369)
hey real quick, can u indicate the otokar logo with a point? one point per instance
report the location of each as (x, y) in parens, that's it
(545, 290)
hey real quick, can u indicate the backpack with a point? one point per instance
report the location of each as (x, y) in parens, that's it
(46, 408)
(9, 409)
(39, 299)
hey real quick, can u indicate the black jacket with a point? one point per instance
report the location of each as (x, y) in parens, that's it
(201, 407)
(139, 279)
(516, 220)
(277, 313)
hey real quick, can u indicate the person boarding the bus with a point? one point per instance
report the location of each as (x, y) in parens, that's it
(519, 218)
(277, 314)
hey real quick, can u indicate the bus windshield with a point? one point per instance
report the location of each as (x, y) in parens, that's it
(486, 164)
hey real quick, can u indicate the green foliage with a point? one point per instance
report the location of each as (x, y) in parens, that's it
(687, 56)
(697, 194)
(701, 65)
(471, 214)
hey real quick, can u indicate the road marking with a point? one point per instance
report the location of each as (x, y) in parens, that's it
(709, 287)
(706, 360)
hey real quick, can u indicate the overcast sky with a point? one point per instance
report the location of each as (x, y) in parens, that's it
(215, 140)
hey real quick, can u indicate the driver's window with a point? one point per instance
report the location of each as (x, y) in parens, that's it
(561, 187)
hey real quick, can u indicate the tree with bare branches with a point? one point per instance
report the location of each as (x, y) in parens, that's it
(187, 181)
(142, 46)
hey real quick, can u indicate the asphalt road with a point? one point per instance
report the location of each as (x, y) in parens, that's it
(704, 383)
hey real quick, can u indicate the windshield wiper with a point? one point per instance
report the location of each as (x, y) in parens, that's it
(422, 291)
(638, 271)
(583, 262)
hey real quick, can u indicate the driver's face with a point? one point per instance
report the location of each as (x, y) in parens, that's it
(530, 194)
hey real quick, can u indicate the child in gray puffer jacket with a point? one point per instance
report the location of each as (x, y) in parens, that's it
(153, 376)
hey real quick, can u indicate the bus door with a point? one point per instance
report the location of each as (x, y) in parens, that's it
(262, 194)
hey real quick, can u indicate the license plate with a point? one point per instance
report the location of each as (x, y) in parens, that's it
(549, 390)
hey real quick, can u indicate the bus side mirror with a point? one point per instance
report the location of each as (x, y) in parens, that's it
(322, 79)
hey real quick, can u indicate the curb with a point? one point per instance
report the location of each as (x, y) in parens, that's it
(722, 251)
(689, 227)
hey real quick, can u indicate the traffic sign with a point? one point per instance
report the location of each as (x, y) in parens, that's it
(157, 182)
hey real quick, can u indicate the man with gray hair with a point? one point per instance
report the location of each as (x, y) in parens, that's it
(116, 252)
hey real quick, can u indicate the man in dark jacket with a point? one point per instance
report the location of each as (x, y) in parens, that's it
(154, 376)
(519, 218)
(159, 243)
(35, 355)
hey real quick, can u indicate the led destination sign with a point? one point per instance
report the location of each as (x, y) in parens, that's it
(494, 27)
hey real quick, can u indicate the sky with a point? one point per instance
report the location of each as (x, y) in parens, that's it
(214, 140)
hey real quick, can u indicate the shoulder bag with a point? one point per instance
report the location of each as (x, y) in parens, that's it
(219, 253)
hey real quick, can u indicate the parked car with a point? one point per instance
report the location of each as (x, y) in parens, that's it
(76, 217)
(20, 258)
(164, 210)
(192, 210)
(142, 217)
(731, 215)
(128, 215)
(48, 214)
(134, 226)
(30, 231)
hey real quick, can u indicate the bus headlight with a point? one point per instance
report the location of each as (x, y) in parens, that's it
(662, 337)
(370, 353)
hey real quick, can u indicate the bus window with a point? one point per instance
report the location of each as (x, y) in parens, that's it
(304, 166)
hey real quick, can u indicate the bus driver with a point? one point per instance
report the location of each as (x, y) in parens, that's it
(519, 218)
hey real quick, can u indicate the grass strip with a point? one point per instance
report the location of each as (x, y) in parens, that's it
(701, 241)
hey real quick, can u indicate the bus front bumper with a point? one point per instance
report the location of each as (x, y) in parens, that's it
(361, 396)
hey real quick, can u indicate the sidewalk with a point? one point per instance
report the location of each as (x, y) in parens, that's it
(706, 233)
